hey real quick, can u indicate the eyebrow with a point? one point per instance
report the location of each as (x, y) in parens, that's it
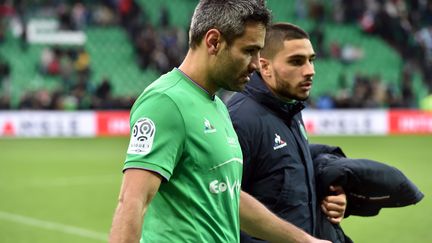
(259, 48)
(301, 56)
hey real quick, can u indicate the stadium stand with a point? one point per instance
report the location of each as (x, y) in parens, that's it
(130, 42)
(112, 57)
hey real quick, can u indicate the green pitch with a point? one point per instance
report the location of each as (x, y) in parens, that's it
(59, 190)
(65, 190)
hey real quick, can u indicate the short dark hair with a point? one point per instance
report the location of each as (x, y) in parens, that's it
(277, 33)
(227, 16)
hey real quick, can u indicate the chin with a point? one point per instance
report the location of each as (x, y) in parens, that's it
(303, 98)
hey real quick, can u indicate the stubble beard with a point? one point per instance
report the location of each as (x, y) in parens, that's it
(287, 92)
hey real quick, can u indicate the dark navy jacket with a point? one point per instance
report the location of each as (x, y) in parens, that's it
(278, 168)
(369, 186)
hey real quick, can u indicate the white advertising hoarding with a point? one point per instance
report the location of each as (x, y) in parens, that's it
(116, 123)
(346, 122)
(47, 124)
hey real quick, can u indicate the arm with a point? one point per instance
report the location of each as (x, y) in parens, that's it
(257, 220)
(137, 190)
(334, 206)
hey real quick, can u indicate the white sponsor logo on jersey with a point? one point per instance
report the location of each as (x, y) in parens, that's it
(142, 135)
(217, 187)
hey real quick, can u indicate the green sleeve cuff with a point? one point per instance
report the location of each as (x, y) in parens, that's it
(150, 167)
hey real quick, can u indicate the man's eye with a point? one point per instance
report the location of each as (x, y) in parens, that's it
(250, 51)
(297, 62)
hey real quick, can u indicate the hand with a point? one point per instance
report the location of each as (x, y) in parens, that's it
(334, 205)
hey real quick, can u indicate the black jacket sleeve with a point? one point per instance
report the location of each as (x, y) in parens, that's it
(369, 185)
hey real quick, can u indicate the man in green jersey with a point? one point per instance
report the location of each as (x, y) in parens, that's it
(183, 168)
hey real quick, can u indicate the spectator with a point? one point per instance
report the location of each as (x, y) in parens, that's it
(342, 96)
(79, 15)
(318, 39)
(103, 97)
(82, 62)
(4, 102)
(378, 89)
(350, 54)
(103, 91)
(407, 92)
(47, 56)
(164, 18)
(104, 16)
(67, 72)
(4, 71)
(325, 102)
(64, 17)
(54, 67)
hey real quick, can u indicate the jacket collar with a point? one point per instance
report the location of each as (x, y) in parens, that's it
(258, 91)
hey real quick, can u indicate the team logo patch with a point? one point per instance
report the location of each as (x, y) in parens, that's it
(278, 142)
(142, 136)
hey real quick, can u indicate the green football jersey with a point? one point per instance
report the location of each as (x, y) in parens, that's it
(182, 133)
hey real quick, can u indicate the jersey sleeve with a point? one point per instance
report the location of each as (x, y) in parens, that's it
(157, 135)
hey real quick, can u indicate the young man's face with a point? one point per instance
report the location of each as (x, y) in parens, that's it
(292, 70)
(236, 62)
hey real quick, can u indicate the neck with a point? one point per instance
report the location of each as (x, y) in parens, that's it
(270, 86)
(196, 67)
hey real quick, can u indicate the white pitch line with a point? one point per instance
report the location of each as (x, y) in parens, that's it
(53, 226)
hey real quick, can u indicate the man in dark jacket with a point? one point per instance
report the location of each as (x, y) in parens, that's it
(278, 168)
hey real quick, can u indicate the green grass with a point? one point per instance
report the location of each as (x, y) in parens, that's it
(73, 182)
(48, 186)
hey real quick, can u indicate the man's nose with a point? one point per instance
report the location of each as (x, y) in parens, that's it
(254, 64)
(309, 69)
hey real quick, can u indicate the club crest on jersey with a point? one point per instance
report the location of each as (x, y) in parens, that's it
(278, 142)
(142, 136)
(208, 127)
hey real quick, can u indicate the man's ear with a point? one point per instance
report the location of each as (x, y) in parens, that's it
(213, 40)
(266, 67)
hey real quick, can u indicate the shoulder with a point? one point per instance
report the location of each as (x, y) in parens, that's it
(244, 109)
(247, 115)
(169, 84)
(161, 95)
(156, 104)
(153, 102)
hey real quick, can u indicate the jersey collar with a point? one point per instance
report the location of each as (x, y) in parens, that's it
(212, 97)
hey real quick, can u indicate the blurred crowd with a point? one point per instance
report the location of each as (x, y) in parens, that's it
(405, 25)
(5, 71)
(366, 92)
(158, 47)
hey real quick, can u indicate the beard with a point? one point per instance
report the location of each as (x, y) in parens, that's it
(227, 74)
(286, 91)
